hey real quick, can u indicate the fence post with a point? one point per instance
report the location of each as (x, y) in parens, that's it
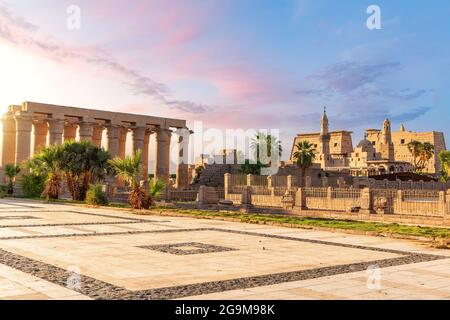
(399, 201)
(249, 180)
(447, 202)
(201, 195)
(226, 184)
(300, 199)
(442, 204)
(308, 181)
(287, 201)
(246, 199)
(167, 194)
(329, 194)
(366, 201)
(289, 182)
(269, 182)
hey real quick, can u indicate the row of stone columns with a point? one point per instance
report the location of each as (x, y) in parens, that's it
(17, 139)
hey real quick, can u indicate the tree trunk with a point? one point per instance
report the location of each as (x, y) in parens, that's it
(303, 171)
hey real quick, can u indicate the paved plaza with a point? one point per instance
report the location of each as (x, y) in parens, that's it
(58, 251)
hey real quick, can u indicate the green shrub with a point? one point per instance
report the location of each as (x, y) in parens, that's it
(32, 185)
(95, 196)
(3, 190)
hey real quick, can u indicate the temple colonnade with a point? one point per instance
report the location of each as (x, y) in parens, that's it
(39, 125)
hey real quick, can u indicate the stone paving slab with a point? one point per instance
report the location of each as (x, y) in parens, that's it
(62, 251)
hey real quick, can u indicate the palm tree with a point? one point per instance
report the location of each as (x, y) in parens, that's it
(84, 164)
(265, 146)
(444, 158)
(415, 148)
(421, 153)
(11, 171)
(48, 162)
(426, 154)
(304, 157)
(129, 169)
(251, 168)
(156, 187)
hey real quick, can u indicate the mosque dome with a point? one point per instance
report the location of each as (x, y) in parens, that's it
(365, 145)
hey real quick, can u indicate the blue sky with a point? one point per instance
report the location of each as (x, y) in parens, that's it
(235, 64)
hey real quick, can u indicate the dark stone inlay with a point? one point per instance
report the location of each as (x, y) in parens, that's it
(99, 234)
(98, 289)
(177, 248)
(66, 224)
(18, 205)
(17, 217)
(128, 220)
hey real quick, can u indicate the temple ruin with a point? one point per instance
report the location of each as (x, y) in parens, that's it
(30, 126)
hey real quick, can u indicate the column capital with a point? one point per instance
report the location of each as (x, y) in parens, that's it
(113, 130)
(86, 129)
(56, 125)
(23, 122)
(55, 121)
(138, 132)
(163, 133)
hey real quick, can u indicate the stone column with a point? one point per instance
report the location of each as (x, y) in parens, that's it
(40, 135)
(145, 155)
(162, 164)
(112, 140)
(183, 158)
(122, 141)
(97, 133)
(86, 130)
(55, 129)
(122, 149)
(23, 138)
(9, 140)
(70, 131)
(138, 136)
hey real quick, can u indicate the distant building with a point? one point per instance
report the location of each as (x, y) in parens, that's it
(380, 152)
(400, 140)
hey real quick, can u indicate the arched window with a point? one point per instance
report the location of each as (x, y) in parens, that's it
(391, 169)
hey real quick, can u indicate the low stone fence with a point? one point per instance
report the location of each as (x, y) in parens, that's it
(332, 198)
(432, 203)
(176, 195)
(399, 184)
(382, 201)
